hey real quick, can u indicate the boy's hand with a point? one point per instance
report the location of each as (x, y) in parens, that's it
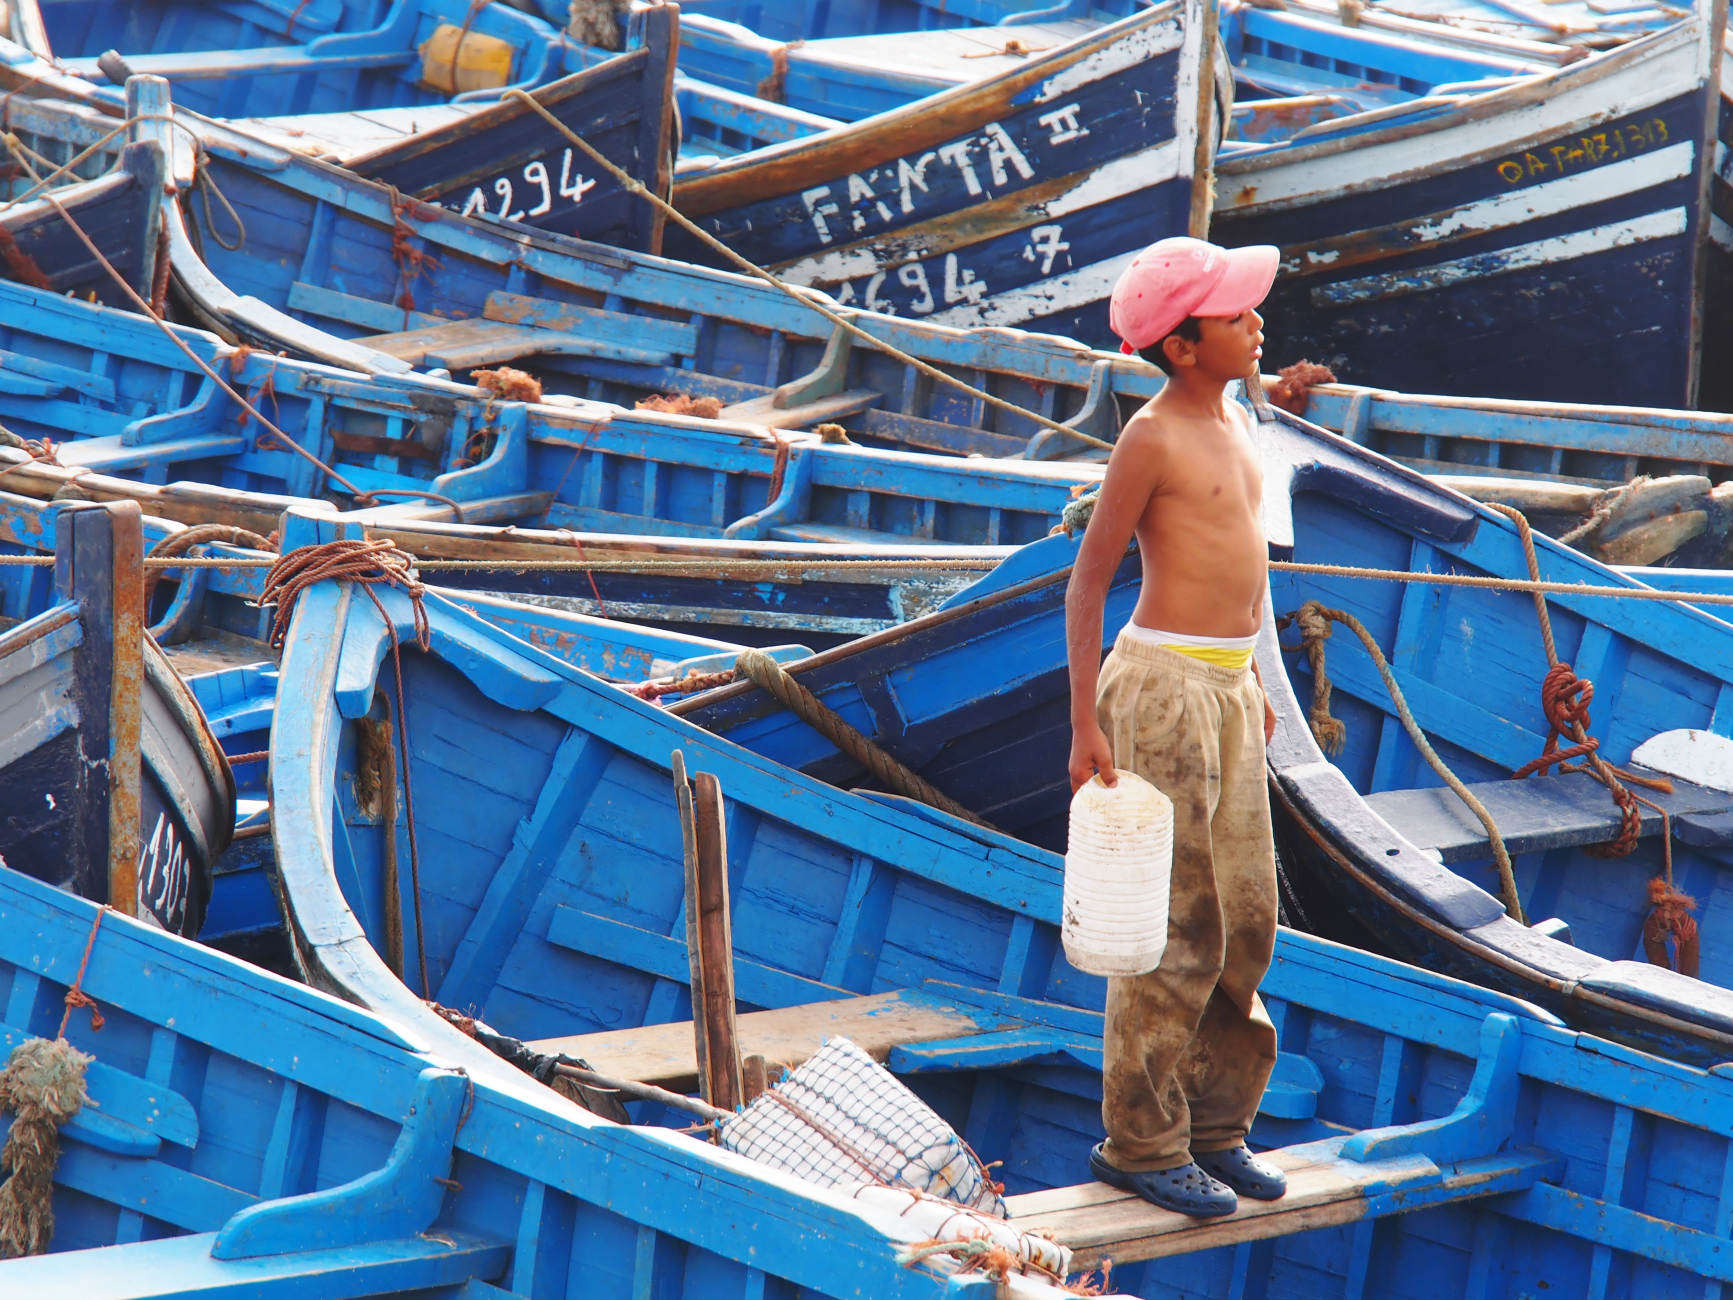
(1090, 753)
(1269, 721)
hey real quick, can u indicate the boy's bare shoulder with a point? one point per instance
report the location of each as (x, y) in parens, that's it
(1150, 425)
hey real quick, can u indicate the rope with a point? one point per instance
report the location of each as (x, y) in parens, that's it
(1565, 700)
(1670, 917)
(76, 996)
(145, 309)
(1602, 511)
(412, 262)
(633, 186)
(371, 564)
(183, 541)
(1314, 619)
(690, 684)
(775, 681)
(43, 1086)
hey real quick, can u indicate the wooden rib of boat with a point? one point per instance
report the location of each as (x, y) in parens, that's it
(552, 902)
(111, 784)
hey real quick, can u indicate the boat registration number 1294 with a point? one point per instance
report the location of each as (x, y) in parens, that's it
(530, 191)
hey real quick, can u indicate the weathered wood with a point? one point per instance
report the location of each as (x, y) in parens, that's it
(839, 406)
(1324, 1190)
(877, 1023)
(710, 943)
(1541, 812)
(102, 571)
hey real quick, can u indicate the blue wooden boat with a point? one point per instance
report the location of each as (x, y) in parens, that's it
(234, 59)
(1530, 234)
(1012, 200)
(118, 397)
(246, 1135)
(1434, 179)
(974, 698)
(111, 784)
(120, 212)
(503, 161)
(551, 902)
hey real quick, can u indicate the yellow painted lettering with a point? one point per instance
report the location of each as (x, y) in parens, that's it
(1535, 163)
(1511, 171)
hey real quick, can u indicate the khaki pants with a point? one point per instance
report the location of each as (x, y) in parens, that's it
(1188, 1047)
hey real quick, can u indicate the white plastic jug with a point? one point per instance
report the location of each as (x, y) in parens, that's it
(1118, 862)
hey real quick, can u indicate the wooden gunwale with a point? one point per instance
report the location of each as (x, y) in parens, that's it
(873, 640)
(1537, 89)
(914, 127)
(1567, 990)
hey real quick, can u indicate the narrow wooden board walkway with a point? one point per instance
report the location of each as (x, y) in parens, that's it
(665, 1055)
(1324, 1190)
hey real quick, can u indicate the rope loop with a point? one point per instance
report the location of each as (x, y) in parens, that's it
(371, 561)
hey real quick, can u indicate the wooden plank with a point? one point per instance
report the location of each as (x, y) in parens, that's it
(1097, 1221)
(838, 406)
(1541, 812)
(709, 937)
(460, 344)
(664, 1054)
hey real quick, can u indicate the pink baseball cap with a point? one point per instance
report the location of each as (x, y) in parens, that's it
(1179, 277)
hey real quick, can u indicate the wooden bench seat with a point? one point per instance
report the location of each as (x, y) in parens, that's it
(1546, 812)
(1324, 1190)
(464, 344)
(879, 1023)
(838, 406)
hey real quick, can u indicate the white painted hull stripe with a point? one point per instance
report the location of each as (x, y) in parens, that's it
(1503, 211)
(1543, 252)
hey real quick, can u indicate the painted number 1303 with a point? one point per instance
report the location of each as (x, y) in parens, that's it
(539, 191)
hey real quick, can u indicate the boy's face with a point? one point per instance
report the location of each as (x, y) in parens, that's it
(1229, 347)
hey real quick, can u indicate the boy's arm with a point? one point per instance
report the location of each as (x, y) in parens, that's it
(1133, 473)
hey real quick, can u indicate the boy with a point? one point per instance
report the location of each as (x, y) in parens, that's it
(1188, 1048)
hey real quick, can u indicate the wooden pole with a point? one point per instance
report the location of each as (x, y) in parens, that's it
(99, 563)
(709, 937)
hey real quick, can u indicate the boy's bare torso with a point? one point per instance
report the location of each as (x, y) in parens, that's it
(1201, 536)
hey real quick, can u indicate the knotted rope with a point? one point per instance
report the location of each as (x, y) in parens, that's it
(777, 682)
(370, 563)
(43, 1086)
(1313, 620)
(412, 262)
(1565, 700)
(1292, 390)
(1670, 917)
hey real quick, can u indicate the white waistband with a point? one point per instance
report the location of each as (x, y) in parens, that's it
(1154, 636)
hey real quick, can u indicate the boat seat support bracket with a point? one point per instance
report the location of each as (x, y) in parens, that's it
(399, 1200)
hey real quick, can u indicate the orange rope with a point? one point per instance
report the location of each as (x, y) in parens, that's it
(76, 996)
